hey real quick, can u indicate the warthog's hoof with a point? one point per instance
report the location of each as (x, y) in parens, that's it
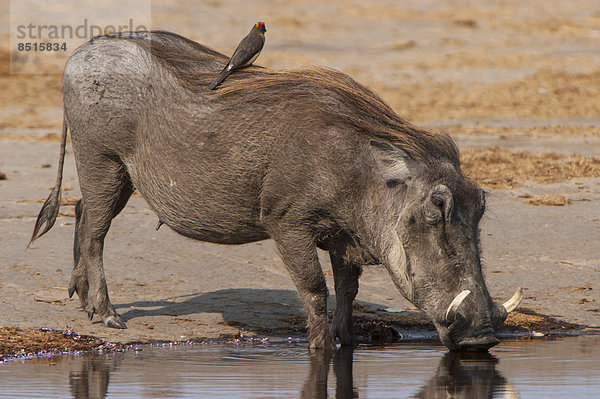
(114, 322)
(346, 337)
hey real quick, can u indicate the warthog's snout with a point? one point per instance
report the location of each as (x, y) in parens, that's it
(481, 341)
(467, 332)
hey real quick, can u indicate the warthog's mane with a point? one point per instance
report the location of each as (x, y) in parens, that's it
(321, 93)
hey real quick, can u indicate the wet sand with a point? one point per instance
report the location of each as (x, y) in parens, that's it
(515, 83)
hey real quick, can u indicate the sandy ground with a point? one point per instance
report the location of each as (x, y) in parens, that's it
(515, 83)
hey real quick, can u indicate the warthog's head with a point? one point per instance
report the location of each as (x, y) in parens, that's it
(431, 248)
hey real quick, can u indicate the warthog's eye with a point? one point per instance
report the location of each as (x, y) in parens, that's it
(437, 200)
(391, 183)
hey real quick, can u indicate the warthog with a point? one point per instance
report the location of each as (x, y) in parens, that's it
(309, 158)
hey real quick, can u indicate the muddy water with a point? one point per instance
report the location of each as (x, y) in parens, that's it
(520, 368)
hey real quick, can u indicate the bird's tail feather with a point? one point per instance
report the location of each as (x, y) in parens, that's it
(224, 73)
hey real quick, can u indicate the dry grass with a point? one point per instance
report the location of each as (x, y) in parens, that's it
(32, 93)
(562, 130)
(13, 339)
(34, 90)
(54, 137)
(64, 201)
(563, 95)
(499, 168)
(32, 117)
(527, 320)
(548, 200)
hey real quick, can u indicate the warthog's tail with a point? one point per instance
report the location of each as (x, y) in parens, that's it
(49, 211)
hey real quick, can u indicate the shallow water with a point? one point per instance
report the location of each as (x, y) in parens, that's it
(549, 368)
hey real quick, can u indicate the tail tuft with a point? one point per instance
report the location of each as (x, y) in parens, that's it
(49, 211)
(47, 215)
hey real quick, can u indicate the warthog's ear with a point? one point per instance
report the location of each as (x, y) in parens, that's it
(392, 162)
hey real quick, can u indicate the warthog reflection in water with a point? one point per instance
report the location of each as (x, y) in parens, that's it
(457, 376)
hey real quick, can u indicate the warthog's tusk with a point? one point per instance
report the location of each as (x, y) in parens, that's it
(453, 308)
(513, 302)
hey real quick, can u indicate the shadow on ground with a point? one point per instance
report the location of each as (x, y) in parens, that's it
(261, 310)
(232, 303)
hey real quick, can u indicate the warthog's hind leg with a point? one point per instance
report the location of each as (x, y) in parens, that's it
(105, 188)
(79, 282)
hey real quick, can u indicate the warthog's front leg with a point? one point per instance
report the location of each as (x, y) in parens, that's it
(345, 274)
(299, 254)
